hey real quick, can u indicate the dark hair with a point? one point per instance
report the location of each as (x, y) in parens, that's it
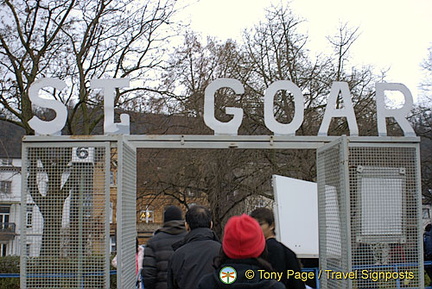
(198, 217)
(172, 213)
(263, 215)
(262, 260)
(428, 227)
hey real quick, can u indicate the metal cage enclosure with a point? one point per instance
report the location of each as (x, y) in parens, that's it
(369, 207)
(68, 182)
(369, 215)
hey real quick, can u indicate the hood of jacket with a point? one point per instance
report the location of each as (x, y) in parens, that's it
(174, 227)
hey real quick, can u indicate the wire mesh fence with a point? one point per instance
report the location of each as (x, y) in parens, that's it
(126, 216)
(370, 226)
(67, 184)
(369, 202)
(332, 208)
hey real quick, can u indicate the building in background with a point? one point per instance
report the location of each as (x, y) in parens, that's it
(10, 199)
(10, 212)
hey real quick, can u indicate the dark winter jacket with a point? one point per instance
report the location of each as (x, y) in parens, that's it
(193, 259)
(213, 280)
(282, 259)
(158, 253)
(427, 242)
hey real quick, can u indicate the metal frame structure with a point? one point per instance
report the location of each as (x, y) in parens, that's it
(128, 144)
(369, 198)
(75, 236)
(126, 215)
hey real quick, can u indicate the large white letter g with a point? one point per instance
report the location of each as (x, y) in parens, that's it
(222, 128)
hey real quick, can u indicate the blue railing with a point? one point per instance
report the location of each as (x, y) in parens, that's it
(17, 275)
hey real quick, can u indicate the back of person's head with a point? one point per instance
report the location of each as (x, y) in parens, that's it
(198, 217)
(243, 238)
(172, 213)
(428, 227)
(263, 215)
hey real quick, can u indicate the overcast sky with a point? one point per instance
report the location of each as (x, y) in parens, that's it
(394, 34)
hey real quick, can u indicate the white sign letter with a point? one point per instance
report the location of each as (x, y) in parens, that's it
(52, 127)
(398, 114)
(347, 110)
(227, 128)
(109, 85)
(269, 119)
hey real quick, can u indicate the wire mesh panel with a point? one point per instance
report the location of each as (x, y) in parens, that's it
(333, 212)
(126, 216)
(68, 183)
(385, 203)
(370, 221)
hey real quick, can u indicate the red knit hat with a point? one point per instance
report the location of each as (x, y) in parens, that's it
(243, 238)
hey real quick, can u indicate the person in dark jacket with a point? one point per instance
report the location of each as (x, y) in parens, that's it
(194, 256)
(242, 259)
(280, 256)
(427, 246)
(159, 249)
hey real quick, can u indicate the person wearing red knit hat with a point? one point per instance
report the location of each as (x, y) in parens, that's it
(241, 263)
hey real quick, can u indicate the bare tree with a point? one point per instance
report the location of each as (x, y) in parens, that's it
(342, 43)
(426, 85)
(361, 82)
(224, 179)
(421, 119)
(74, 41)
(272, 50)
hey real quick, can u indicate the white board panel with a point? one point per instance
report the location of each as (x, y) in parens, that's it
(296, 215)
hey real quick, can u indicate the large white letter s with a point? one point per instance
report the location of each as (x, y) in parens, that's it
(52, 127)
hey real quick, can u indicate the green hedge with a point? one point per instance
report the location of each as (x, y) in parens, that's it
(9, 264)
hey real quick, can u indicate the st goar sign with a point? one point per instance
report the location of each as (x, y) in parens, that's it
(231, 127)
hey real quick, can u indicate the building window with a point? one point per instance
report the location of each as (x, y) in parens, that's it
(113, 244)
(29, 216)
(3, 250)
(111, 213)
(147, 215)
(113, 182)
(5, 187)
(426, 213)
(4, 216)
(190, 193)
(260, 204)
